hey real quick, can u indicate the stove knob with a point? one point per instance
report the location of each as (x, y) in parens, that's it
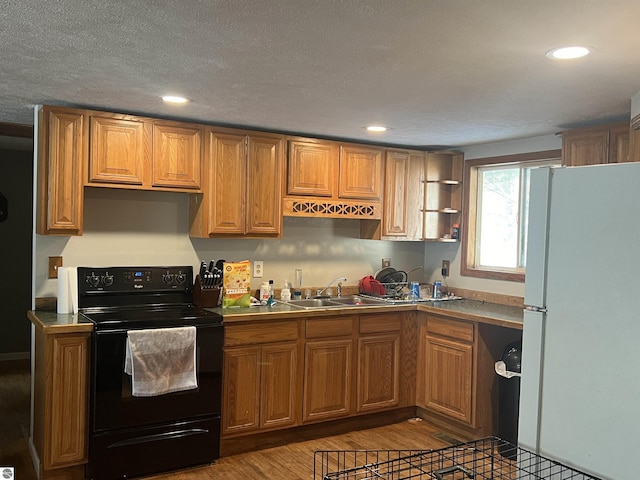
(180, 278)
(107, 280)
(168, 278)
(93, 280)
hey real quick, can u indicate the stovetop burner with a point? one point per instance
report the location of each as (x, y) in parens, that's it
(140, 297)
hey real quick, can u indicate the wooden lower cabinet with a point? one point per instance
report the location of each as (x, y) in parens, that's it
(327, 388)
(446, 368)
(60, 403)
(62, 152)
(379, 362)
(449, 377)
(328, 367)
(261, 378)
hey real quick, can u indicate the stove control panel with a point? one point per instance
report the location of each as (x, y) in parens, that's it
(134, 279)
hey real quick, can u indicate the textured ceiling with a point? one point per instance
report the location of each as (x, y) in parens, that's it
(439, 73)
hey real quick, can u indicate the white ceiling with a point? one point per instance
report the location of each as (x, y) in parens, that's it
(438, 72)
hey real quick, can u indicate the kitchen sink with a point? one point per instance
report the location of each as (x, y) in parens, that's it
(334, 302)
(357, 300)
(313, 303)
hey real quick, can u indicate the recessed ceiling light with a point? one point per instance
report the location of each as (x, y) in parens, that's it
(568, 53)
(175, 99)
(376, 128)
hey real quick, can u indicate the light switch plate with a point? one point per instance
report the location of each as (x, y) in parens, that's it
(258, 269)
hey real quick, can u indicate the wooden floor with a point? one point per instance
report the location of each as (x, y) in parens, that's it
(291, 462)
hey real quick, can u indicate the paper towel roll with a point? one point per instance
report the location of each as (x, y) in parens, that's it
(63, 290)
(73, 289)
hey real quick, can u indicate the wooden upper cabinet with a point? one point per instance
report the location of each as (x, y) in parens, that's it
(396, 189)
(403, 195)
(143, 153)
(243, 186)
(596, 145)
(62, 151)
(177, 155)
(312, 168)
(227, 177)
(360, 172)
(587, 148)
(264, 186)
(119, 150)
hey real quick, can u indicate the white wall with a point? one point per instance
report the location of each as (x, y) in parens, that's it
(436, 252)
(123, 227)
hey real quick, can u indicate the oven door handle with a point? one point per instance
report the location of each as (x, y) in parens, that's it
(159, 437)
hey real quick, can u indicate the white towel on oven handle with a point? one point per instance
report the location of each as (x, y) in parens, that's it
(161, 360)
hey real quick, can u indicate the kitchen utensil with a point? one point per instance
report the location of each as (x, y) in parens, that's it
(371, 286)
(380, 274)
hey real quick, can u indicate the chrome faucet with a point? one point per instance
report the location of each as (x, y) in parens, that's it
(342, 279)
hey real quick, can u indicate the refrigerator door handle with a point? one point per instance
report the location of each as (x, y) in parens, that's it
(532, 308)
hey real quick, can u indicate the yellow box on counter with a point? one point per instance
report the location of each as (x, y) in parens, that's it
(236, 283)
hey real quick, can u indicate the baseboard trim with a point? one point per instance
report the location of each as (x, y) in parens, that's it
(15, 356)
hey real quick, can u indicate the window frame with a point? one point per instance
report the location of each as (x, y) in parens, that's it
(469, 214)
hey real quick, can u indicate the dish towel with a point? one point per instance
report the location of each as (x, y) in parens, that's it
(161, 360)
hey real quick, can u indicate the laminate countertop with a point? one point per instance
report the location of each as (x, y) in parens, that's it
(471, 310)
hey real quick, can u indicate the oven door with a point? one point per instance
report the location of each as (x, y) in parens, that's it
(113, 406)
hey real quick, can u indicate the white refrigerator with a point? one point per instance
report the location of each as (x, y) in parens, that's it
(580, 385)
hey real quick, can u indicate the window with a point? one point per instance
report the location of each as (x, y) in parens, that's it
(497, 201)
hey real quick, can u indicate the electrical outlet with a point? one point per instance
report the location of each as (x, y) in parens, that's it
(445, 268)
(54, 263)
(258, 269)
(386, 262)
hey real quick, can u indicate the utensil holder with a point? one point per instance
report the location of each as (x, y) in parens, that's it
(203, 296)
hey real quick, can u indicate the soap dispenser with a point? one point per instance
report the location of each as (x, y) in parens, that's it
(285, 293)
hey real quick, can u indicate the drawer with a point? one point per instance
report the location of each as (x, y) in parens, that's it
(380, 323)
(325, 327)
(444, 327)
(260, 333)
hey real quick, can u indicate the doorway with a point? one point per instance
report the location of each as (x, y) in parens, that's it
(16, 232)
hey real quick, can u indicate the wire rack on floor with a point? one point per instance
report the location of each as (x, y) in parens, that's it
(488, 457)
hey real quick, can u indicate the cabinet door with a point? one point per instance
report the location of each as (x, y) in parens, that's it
(585, 148)
(241, 398)
(228, 179)
(396, 189)
(62, 154)
(279, 386)
(312, 168)
(619, 144)
(378, 373)
(264, 186)
(360, 173)
(176, 156)
(404, 195)
(118, 151)
(327, 389)
(448, 377)
(69, 397)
